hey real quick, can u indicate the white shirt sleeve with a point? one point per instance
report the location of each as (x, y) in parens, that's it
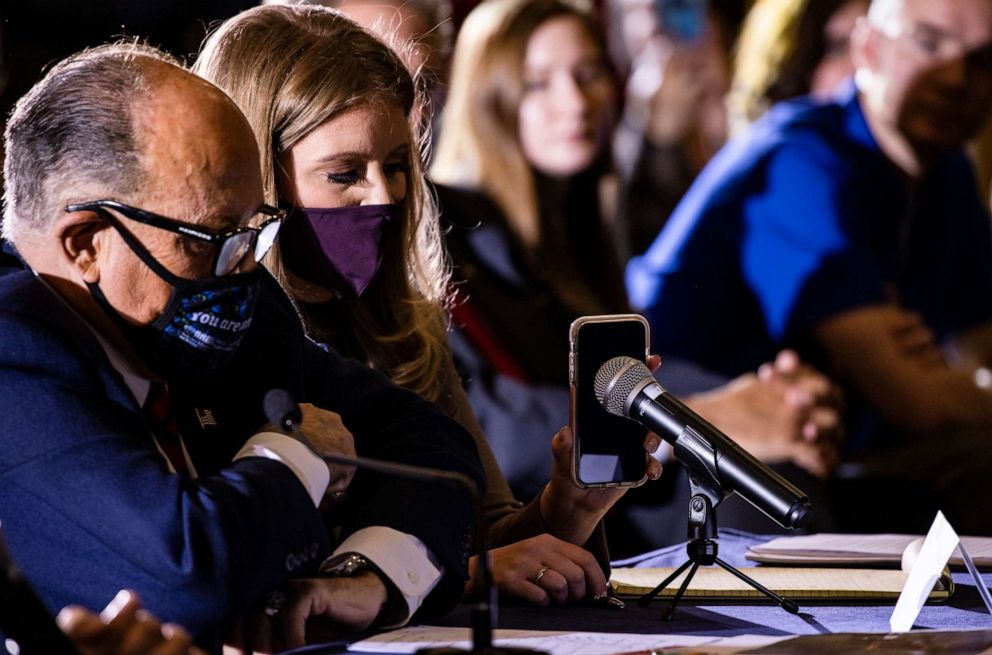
(309, 468)
(402, 558)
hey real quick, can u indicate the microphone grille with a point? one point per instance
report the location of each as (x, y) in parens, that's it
(623, 373)
(280, 408)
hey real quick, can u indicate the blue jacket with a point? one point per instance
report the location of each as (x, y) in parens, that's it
(88, 505)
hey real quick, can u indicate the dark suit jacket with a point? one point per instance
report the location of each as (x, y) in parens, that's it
(88, 505)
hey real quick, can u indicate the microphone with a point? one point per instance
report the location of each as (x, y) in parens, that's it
(283, 412)
(626, 387)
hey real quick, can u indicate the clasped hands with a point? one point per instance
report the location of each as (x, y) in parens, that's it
(787, 412)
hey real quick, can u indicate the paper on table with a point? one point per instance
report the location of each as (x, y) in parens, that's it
(940, 543)
(855, 549)
(409, 640)
(799, 584)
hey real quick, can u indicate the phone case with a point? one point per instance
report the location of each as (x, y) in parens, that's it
(573, 345)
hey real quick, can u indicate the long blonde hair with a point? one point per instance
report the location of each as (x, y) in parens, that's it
(293, 68)
(780, 45)
(479, 145)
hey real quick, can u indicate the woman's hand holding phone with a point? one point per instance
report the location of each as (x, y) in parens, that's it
(572, 512)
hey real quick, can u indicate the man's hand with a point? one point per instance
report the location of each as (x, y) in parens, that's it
(328, 434)
(787, 412)
(543, 570)
(323, 608)
(123, 628)
(311, 610)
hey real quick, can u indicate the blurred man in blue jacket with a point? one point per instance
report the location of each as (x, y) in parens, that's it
(853, 231)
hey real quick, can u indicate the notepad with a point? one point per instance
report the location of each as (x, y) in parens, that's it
(798, 584)
(856, 550)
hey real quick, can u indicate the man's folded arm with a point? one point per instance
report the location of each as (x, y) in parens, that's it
(91, 507)
(914, 390)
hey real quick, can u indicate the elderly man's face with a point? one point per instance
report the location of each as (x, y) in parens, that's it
(201, 168)
(932, 71)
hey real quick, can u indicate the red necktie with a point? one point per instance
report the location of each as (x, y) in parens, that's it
(158, 412)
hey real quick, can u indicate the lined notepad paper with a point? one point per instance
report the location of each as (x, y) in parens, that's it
(713, 583)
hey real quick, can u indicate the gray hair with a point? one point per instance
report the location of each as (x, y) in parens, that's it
(881, 13)
(883, 16)
(74, 132)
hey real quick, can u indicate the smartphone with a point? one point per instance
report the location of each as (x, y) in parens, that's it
(609, 450)
(683, 20)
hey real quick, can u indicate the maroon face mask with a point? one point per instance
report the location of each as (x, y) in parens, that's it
(338, 248)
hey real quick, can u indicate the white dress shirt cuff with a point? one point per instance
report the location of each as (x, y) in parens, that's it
(402, 558)
(309, 468)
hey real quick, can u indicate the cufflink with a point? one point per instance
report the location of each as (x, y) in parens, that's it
(347, 565)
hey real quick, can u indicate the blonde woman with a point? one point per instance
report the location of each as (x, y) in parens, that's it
(337, 118)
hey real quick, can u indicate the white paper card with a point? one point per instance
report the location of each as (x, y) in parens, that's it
(408, 640)
(934, 554)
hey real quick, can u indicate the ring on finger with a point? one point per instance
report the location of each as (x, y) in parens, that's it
(274, 603)
(540, 574)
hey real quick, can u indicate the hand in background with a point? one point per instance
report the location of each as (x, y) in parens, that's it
(543, 570)
(328, 434)
(675, 94)
(123, 628)
(788, 412)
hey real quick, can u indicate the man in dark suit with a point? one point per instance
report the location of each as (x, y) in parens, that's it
(136, 349)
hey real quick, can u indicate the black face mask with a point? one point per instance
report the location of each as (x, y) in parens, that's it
(202, 324)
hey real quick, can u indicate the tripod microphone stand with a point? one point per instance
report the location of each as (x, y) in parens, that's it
(703, 548)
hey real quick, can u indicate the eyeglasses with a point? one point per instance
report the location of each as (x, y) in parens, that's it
(937, 45)
(230, 248)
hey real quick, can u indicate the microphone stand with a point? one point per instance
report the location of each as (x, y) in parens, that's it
(485, 603)
(703, 547)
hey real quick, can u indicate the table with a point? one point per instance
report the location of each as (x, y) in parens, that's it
(963, 611)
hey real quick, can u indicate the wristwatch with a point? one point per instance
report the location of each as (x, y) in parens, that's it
(347, 565)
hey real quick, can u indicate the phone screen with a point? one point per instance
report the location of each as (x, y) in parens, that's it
(684, 20)
(609, 449)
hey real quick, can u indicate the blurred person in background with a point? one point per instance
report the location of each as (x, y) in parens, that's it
(523, 163)
(852, 230)
(674, 117)
(790, 48)
(424, 27)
